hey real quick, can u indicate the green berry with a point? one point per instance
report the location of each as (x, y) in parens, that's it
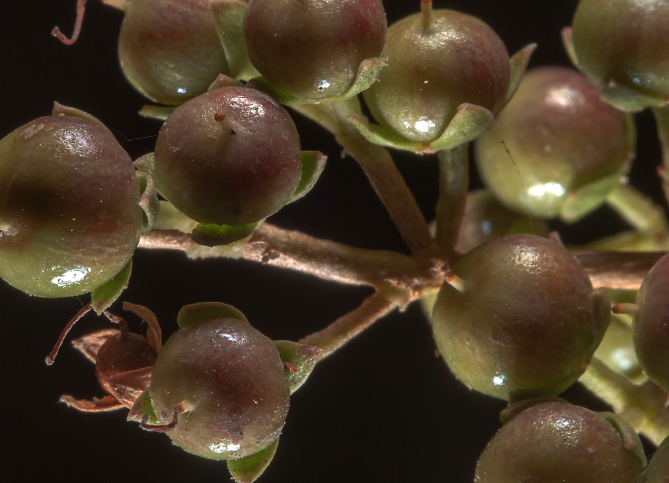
(651, 324)
(228, 157)
(230, 380)
(437, 60)
(554, 137)
(169, 49)
(312, 48)
(70, 218)
(624, 41)
(555, 442)
(658, 466)
(523, 321)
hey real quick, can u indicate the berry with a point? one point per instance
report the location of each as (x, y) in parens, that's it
(169, 49)
(523, 321)
(658, 466)
(228, 157)
(437, 60)
(556, 442)
(229, 378)
(624, 42)
(310, 48)
(70, 218)
(651, 324)
(553, 138)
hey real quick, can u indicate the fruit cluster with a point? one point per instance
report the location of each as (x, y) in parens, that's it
(515, 314)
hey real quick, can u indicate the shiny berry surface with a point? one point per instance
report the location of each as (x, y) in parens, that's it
(229, 378)
(555, 442)
(651, 324)
(70, 218)
(527, 322)
(624, 41)
(553, 137)
(169, 49)
(313, 48)
(228, 157)
(433, 67)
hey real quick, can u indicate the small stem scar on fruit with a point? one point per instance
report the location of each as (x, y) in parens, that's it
(162, 428)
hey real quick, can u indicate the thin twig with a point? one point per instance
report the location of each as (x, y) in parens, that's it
(347, 327)
(453, 186)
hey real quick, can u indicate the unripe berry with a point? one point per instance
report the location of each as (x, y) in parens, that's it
(69, 219)
(554, 137)
(651, 324)
(658, 466)
(230, 380)
(312, 48)
(625, 42)
(169, 49)
(523, 321)
(437, 60)
(555, 442)
(228, 157)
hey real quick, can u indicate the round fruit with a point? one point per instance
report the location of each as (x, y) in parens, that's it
(310, 48)
(624, 41)
(435, 66)
(651, 324)
(555, 442)
(658, 466)
(525, 320)
(169, 49)
(70, 219)
(228, 157)
(229, 378)
(554, 137)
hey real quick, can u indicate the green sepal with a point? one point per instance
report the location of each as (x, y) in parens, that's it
(224, 81)
(228, 18)
(568, 43)
(148, 200)
(61, 110)
(587, 198)
(631, 440)
(518, 64)
(303, 357)
(313, 163)
(102, 297)
(143, 407)
(368, 72)
(469, 122)
(383, 136)
(249, 469)
(218, 235)
(205, 310)
(629, 241)
(629, 100)
(160, 113)
(169, 218)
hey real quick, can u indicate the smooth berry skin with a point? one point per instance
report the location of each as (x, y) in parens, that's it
(624, 41)
(559, 135)
(528, 322)
(70, 217)
(228, 157)
(555, 442)
(432, 70)
(651, 324)
(312, 48)
(229, 378)
(169, 49)
(657, 470)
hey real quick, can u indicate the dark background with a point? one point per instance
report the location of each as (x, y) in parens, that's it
(383, 408)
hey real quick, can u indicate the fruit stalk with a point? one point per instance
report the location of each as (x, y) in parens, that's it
(453, 186)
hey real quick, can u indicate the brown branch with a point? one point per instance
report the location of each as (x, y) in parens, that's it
(347, 327)
(620, 270)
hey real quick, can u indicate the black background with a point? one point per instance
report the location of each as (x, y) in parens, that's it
(383, 408)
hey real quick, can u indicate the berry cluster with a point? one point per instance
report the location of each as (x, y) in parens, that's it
(515, 314)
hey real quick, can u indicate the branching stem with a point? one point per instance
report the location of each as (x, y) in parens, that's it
(643, 407)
